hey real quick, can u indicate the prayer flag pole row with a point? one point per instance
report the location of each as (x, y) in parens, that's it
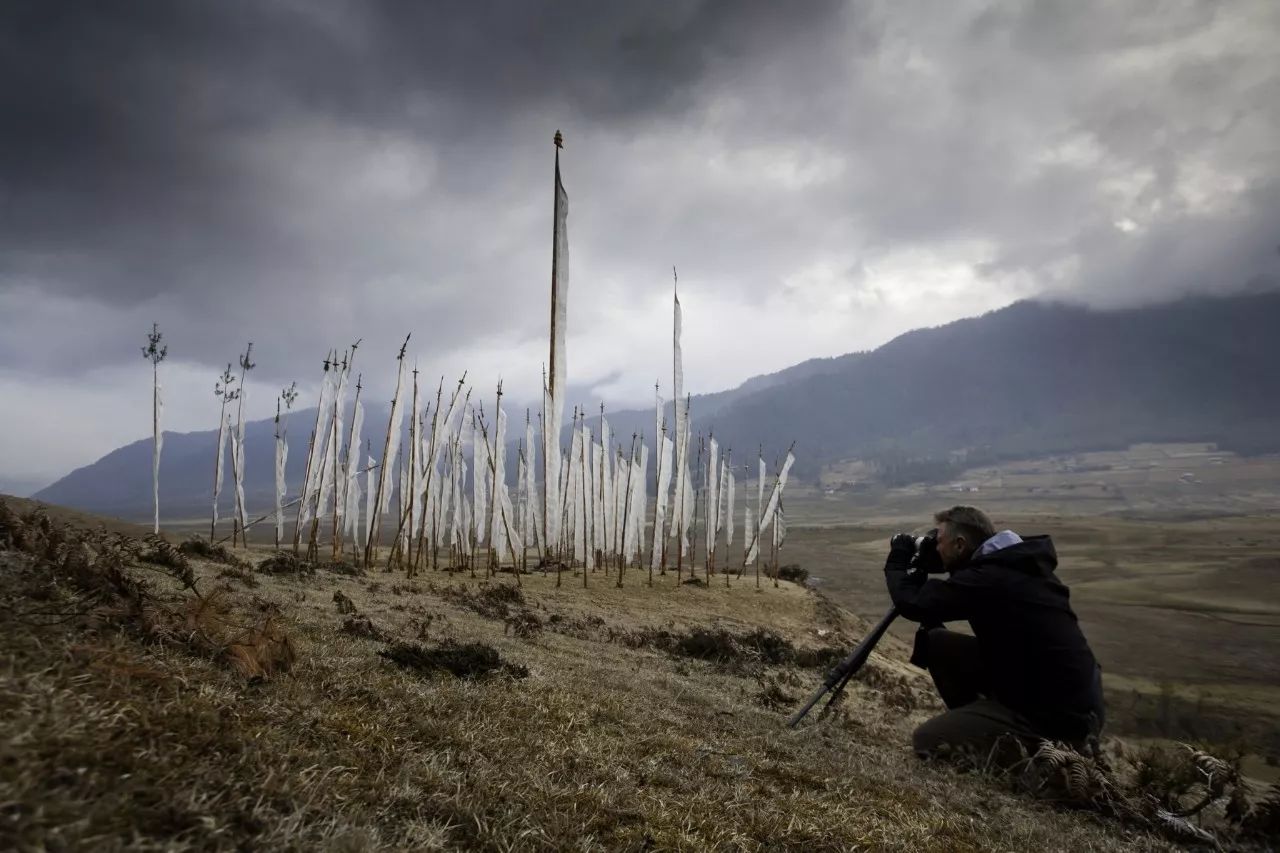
(448, 482)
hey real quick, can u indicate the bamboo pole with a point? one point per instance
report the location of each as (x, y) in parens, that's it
(245, 366)
(659, 541)
(323, 448)
(471, 528)
(273, 486)
(155, 353)
(155, 438)
(522, 501)
(345, 458)
(626, 511)
(709, 514)
(497, 504)
(693, 530)
(568, 460)
(223, 390)
(563, 509)
(585, 447)
(293, 502)
(414, 440)
(775, 547)
(426, 488)
(544, 422)
(370, 548)
(339, 543)
(306, 475)
(755, 537)
(335, 442)
(438, 522)
(326, 449)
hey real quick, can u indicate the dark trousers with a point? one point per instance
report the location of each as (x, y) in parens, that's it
(972, 721)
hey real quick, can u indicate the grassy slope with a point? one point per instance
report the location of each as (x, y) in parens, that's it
(109, 741)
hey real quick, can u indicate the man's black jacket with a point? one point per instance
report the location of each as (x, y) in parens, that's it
(1035, 659)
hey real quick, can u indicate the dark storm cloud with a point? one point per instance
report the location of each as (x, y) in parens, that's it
(126, 122)
(295, 172)
(187, 156)
(825, 175)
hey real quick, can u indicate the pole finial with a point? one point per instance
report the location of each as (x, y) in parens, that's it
(559, 139)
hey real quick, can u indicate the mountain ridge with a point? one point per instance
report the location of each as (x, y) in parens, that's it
(1031, 378)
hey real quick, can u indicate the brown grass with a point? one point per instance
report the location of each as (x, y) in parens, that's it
(115, 738)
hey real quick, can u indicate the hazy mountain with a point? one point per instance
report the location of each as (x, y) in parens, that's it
(1036, 378)
(1031, 378)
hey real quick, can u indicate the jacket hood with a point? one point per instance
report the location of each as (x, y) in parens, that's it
(1034, 555)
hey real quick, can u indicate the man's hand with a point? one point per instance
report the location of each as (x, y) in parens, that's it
(902, 548)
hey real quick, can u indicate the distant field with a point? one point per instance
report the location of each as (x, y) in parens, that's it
(1172, 553)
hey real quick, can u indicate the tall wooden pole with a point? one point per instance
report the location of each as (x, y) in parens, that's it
(550, 422)
(415, 439)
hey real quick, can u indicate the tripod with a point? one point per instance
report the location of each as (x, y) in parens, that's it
(838, 677)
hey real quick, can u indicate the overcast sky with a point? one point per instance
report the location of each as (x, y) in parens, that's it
(824, 175)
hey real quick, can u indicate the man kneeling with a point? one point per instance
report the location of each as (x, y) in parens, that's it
(1027, 671)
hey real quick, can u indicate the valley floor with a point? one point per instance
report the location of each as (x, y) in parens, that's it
(1172, 554)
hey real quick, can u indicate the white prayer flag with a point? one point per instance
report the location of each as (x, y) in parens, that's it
(772, 506)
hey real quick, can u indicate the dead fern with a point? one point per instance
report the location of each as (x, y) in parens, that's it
(161, 552)
(1161, 789)
(100, 568)
(1180, 829)
(1058, 773)
(261, 651)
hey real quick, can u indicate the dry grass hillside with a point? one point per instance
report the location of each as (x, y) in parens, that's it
(157, 697)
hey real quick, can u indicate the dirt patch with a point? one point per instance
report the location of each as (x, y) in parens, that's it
(202, 549)
(792, 572)
(362, 626)
(826, 611)
(773, 697)
(286, 563)
(461, 660)
(726, 648)
(342, 567)
(590, 627)
(495, 601)
(238, 573)
(524, 624)
(895, 689)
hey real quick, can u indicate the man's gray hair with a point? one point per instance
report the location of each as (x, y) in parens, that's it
(967, 521)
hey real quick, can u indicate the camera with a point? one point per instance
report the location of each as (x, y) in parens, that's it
(927, 558)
